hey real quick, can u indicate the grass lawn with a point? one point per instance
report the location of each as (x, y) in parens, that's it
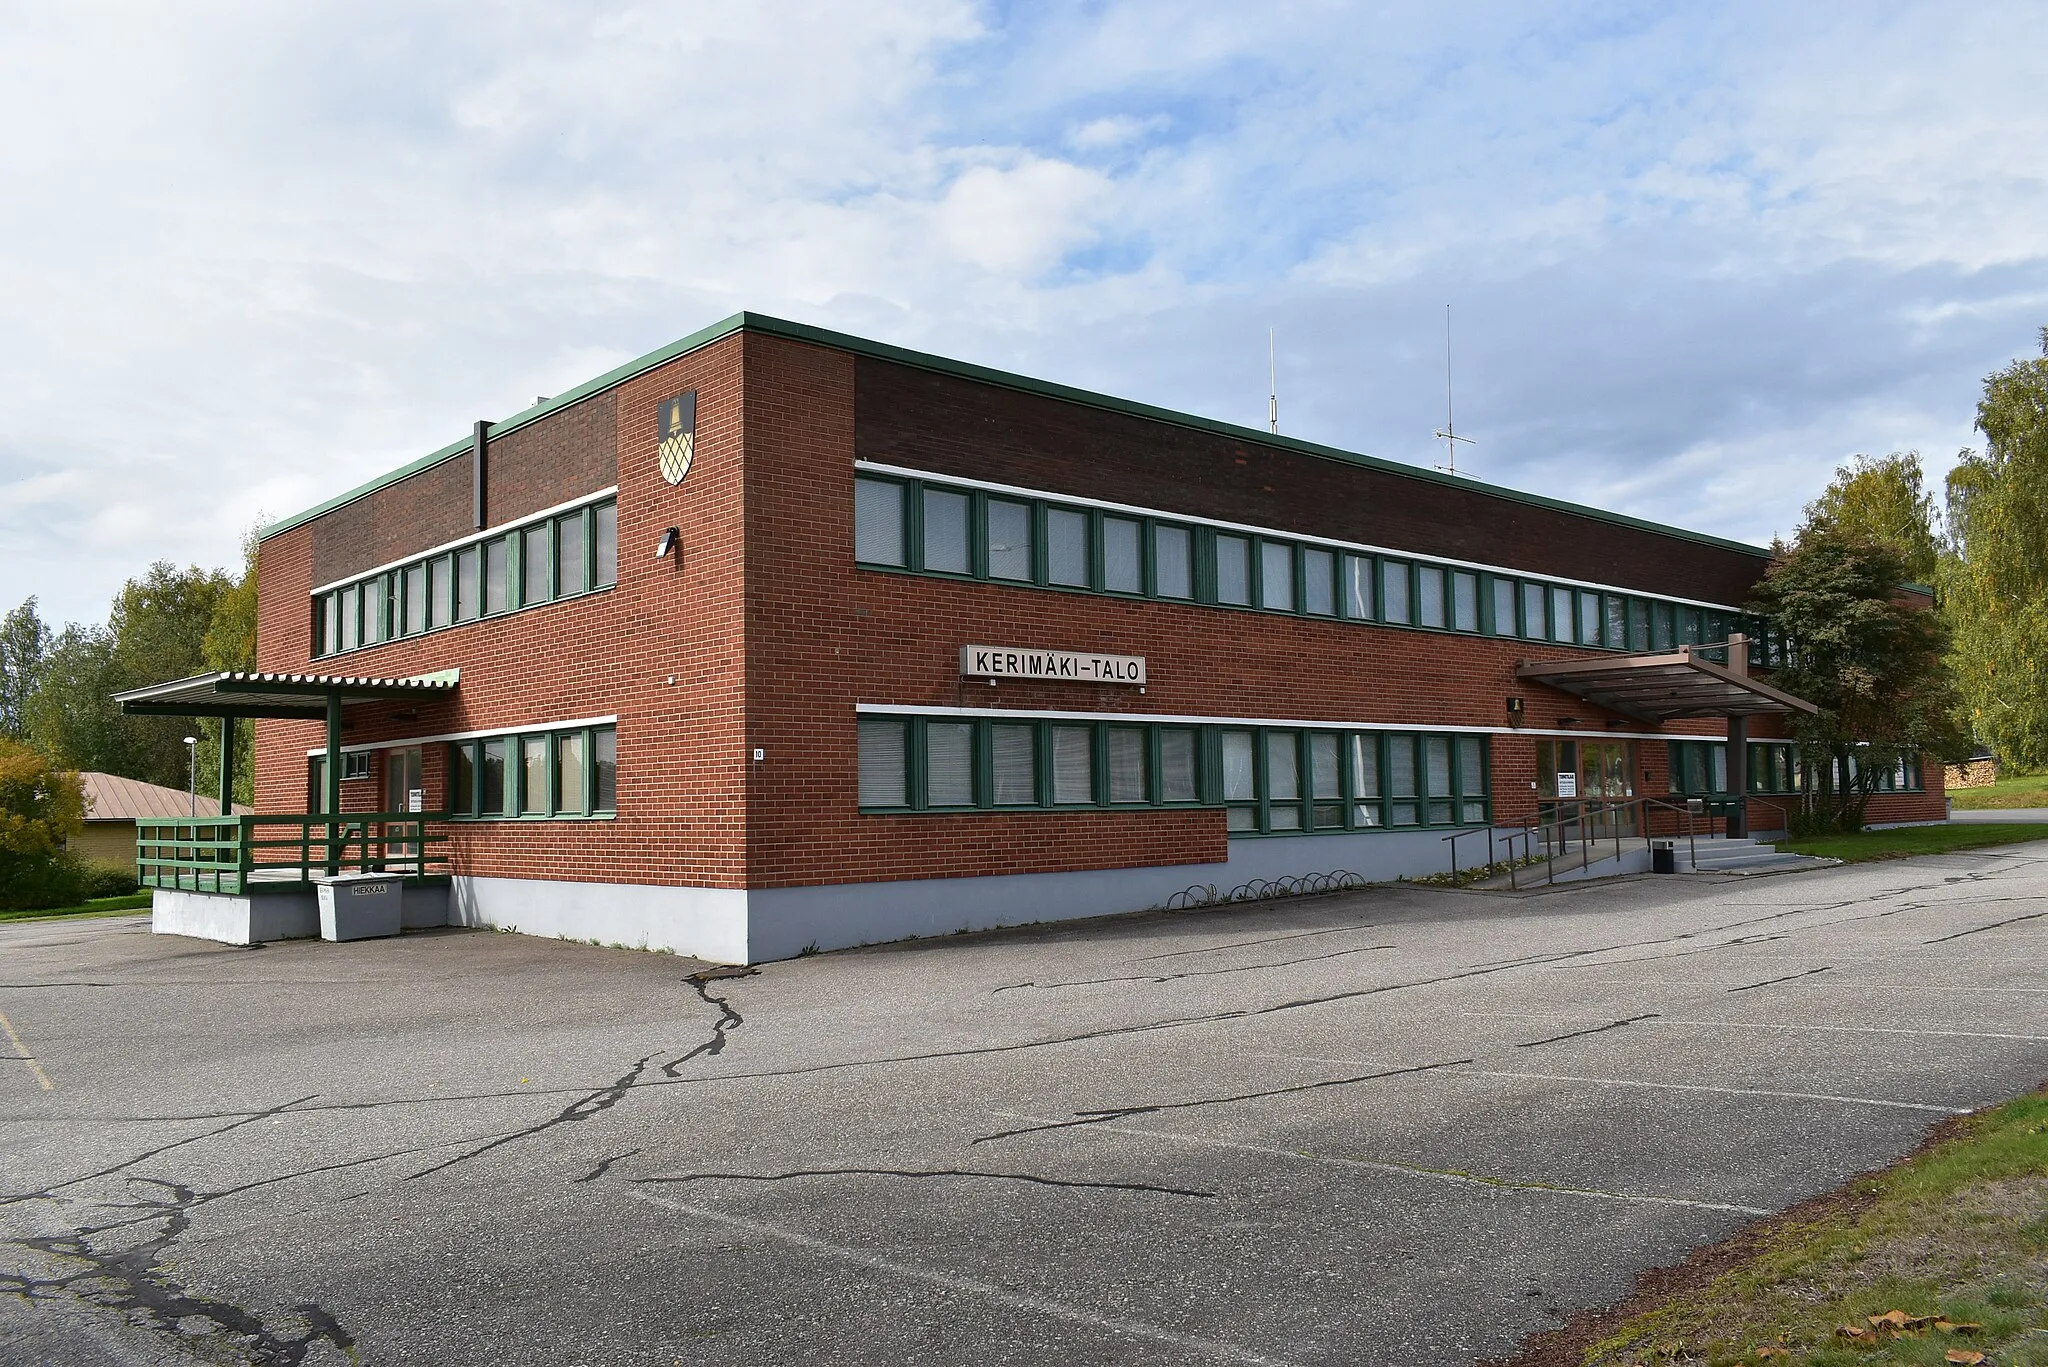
(99, 906)
(1955, 1237)
(2029, 791)
(1910, 840)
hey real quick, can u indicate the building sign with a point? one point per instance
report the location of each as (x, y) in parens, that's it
(1059, 666)
(678, 436)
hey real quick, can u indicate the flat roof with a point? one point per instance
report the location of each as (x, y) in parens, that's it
(249, 693)
(861, 346)
(1663, 686)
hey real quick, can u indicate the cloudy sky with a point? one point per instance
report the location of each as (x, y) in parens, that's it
(252, 254)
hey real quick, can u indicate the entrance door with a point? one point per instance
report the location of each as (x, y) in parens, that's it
(402, 793)
(1575, 782)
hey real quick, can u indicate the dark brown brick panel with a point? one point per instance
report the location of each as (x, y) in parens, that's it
(949, 425)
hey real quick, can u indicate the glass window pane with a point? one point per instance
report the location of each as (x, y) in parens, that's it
(1503, 607)
(1560, 614)
(462, 778)
(1177, 781)
(945, 531)
(1394, 590)
(569, 793)
(1465, 601)
(1638, 624)
(573, 574)
(1429, 596)
(604, 769)
(949, 764)
(606, 520)
(1325, 779)
(878, 525)
(1172, 563)
(494, 575)
(1073, 764)
(1438, 750)
(1401, 781)
(1318, 581)
(1283, 782)
(1066, 547)
(1720, 755)
(533, 775)
(467, 602)
(536, 556)
(1589, 618)
(1358, 587)
(1365, 779)
(376, 610)
(1663, 634)
(492, 800)
(1689, 625)
(1617, 622)
(1234, 570)
(884, 774)
(1471, 766)
(1015, 751)
(1239, 784)
(351, 617)
(1127, 765)
(1534, 619)
(1123, 567)
(333, 623)
(414, 615)
(1009, 539)
(1276, 576)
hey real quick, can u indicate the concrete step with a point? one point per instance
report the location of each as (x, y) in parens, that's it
(1744, 855)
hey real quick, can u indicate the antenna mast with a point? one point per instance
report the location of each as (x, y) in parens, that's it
(1448, 433)
(1273, 384)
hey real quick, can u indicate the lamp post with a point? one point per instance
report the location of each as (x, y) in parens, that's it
(192, 754)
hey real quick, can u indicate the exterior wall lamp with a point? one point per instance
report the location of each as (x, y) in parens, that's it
(671, 541)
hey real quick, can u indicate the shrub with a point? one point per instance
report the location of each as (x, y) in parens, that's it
(103, 879)
(58, 880)
(39, 808)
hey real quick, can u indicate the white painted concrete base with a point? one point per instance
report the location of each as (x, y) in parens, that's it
(705, 923)
(235, 920)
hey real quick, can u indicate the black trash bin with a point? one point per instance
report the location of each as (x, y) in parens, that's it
(1663, 859)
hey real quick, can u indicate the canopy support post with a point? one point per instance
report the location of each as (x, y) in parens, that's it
(332, 776)
(227, 767)
(1738, 776)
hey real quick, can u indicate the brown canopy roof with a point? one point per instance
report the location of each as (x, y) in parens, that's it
(1663, 686)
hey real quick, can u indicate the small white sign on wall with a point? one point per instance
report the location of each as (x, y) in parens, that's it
(1053, 666)
(1567, 785)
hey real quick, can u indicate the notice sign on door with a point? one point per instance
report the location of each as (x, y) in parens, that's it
(1053, 666)
(1567, 784)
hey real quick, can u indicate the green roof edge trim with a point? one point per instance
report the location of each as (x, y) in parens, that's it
(883, 351)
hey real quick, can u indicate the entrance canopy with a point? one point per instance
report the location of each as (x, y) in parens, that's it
(1663, 686)
(241, 693)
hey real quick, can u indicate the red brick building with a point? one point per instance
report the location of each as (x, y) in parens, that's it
(709, 614)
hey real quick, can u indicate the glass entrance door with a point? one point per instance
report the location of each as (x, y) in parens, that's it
(1576, 780)
(403, 792)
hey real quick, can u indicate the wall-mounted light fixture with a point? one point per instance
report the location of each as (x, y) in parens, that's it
(1514, 711)
(670, 541)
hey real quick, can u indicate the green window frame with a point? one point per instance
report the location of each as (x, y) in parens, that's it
(1078, 548)
(543, 560)
(528, 775)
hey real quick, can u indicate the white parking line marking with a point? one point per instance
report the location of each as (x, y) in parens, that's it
(21, 1050)
(1727, 1091)
(1017, 1299)
(1764, 1025)
(1463, 1179)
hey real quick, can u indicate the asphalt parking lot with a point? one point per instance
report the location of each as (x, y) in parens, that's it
(1395, 1125)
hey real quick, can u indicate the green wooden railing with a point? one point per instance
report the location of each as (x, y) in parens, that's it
(244, 854)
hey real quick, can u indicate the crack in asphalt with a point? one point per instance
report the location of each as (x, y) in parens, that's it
(1191, 973)
(1242, 944)
(49, 1193)
(606, 1166)
(728, 1020)
(589, 1104)
(1788, 978)
(1589, 1030)
(1032, 1179)
(1110, 1115)
(129, 1281)
(2010, 921)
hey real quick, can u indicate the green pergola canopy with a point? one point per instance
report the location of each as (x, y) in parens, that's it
(245, 693)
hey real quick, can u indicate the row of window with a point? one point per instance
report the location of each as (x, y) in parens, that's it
(934, 528)
(1268, 779)
(1700, 769)
(538, 562)
(548, 774)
